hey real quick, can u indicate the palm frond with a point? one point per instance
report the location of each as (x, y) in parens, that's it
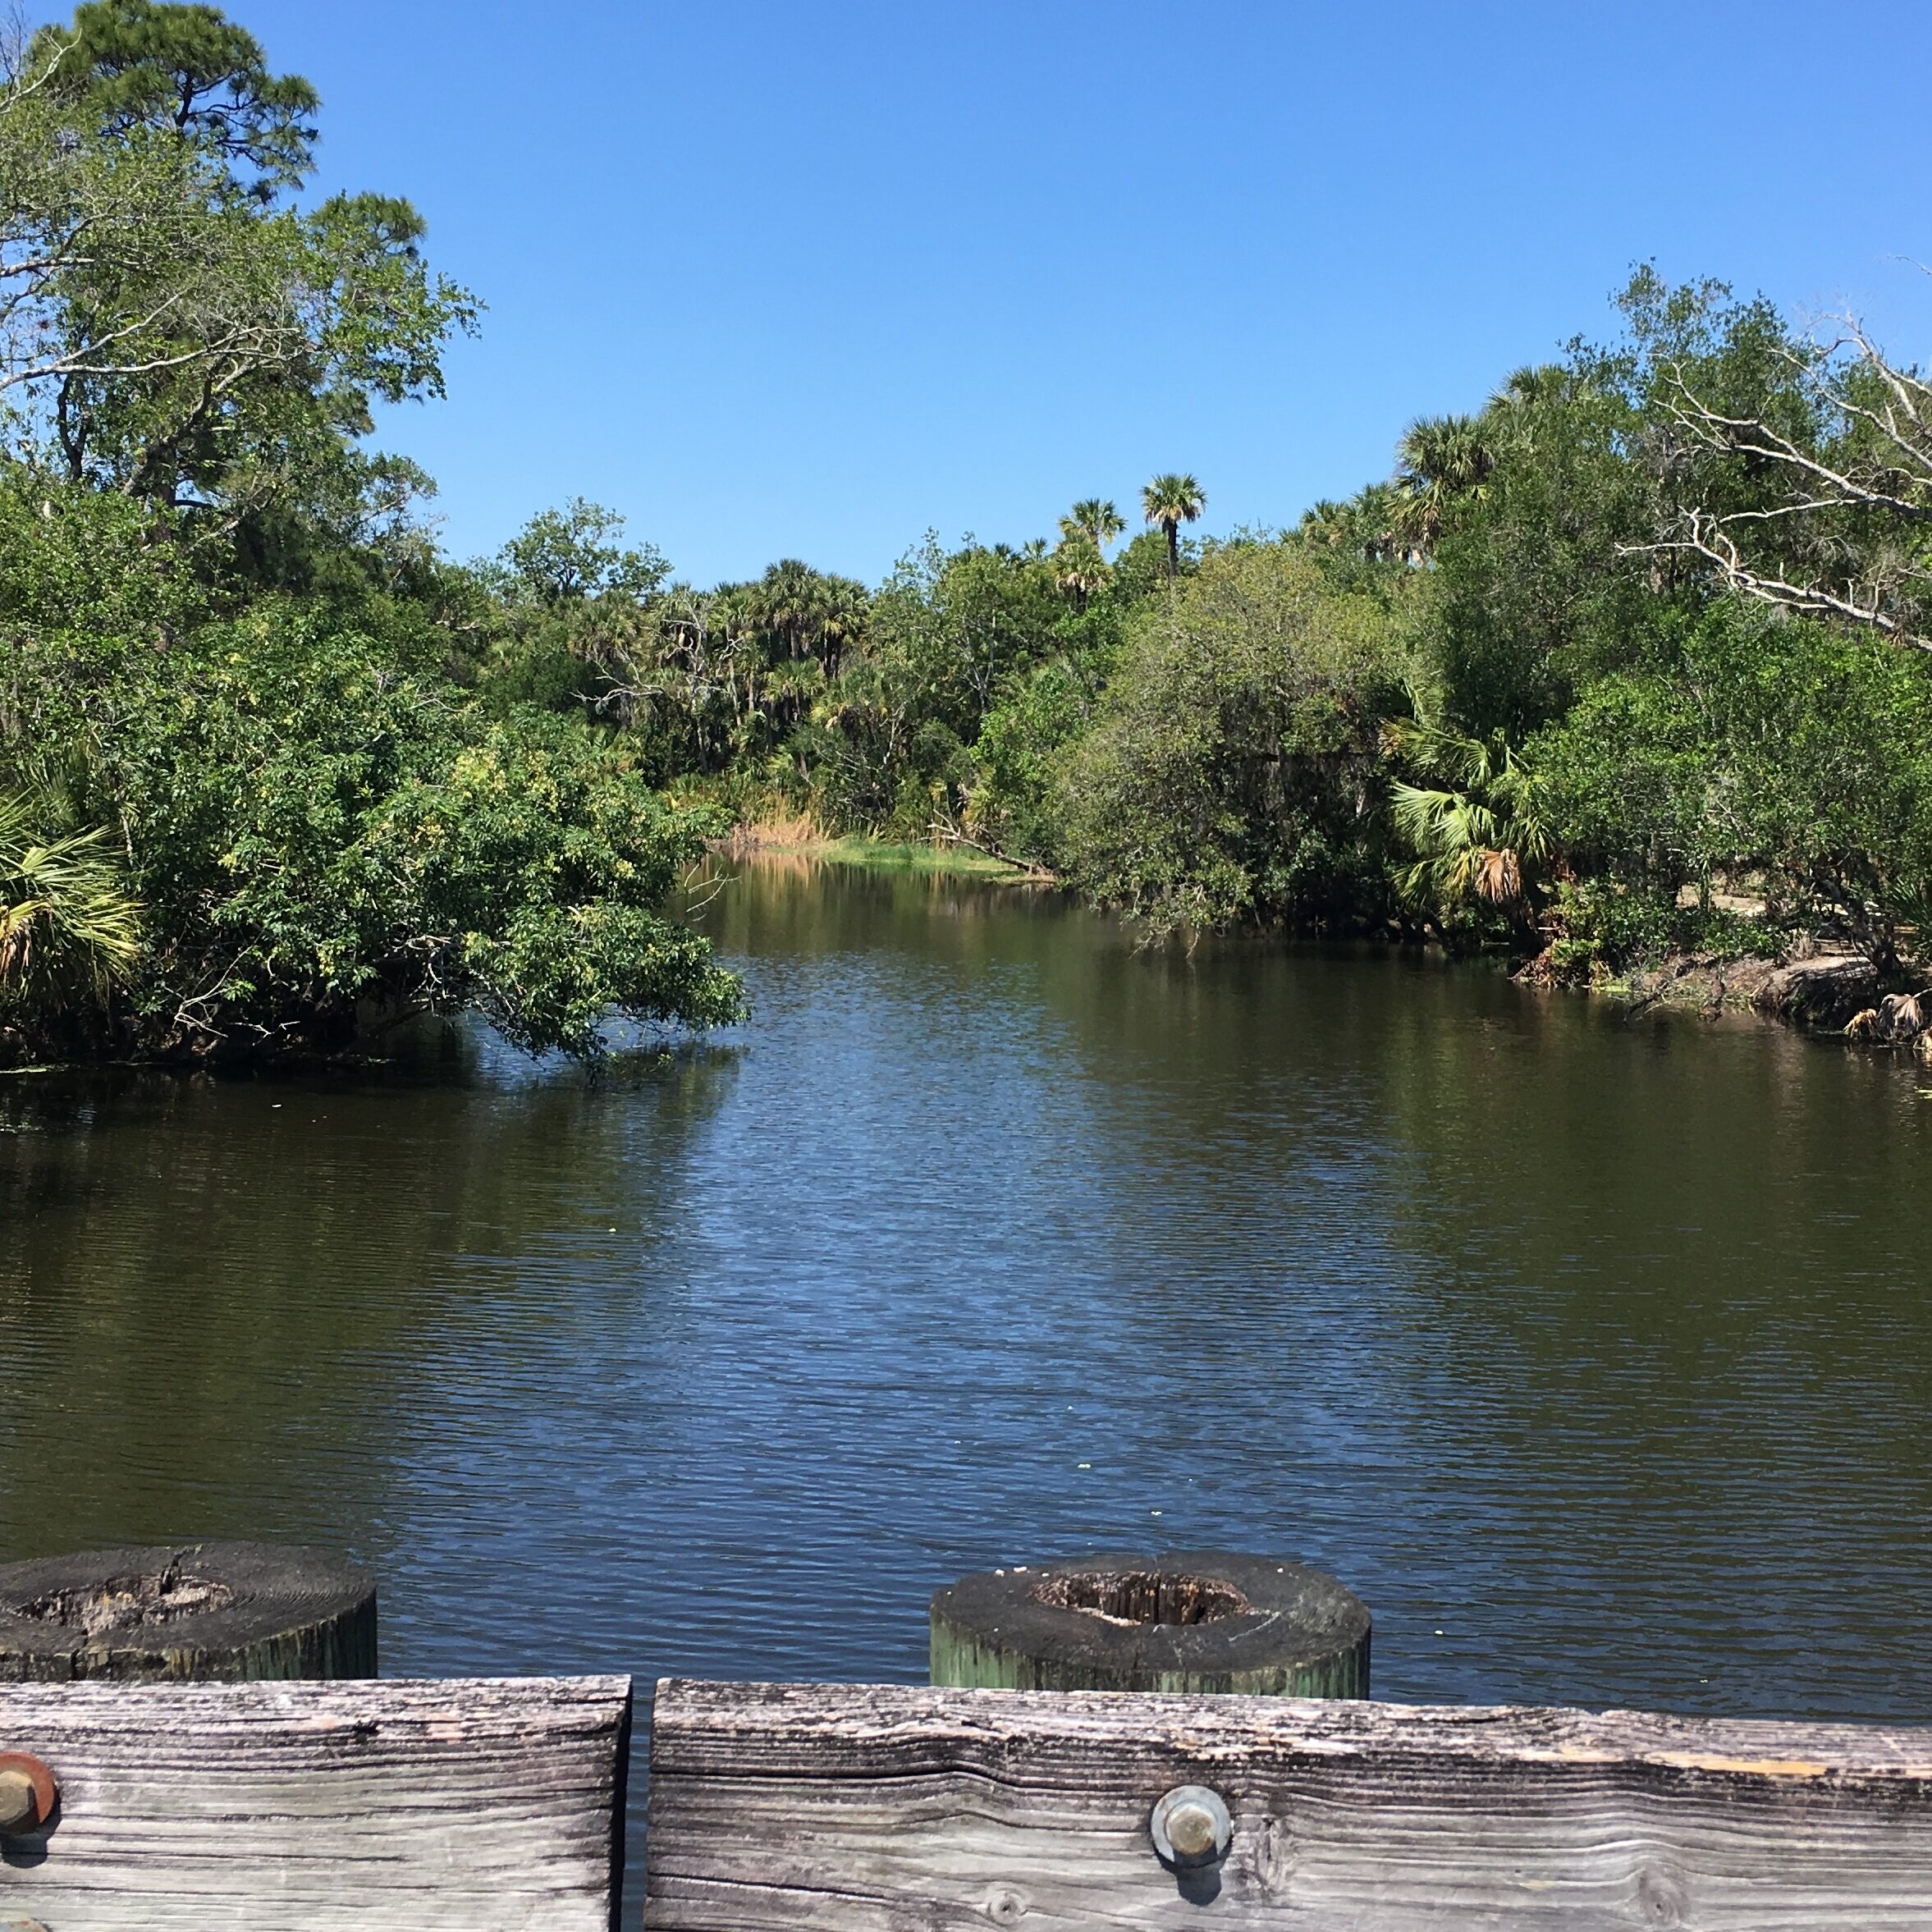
(69, 927)
(1481, 833)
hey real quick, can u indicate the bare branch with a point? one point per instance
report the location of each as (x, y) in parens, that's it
(1705, 536)
(1867, 455)
(1722, 435)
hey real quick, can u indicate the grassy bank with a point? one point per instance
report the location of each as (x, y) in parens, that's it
(879, 856)
(800, 839)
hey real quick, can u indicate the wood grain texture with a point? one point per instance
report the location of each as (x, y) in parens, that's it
(193, 1612)
(317, 1807)
(890, 1810)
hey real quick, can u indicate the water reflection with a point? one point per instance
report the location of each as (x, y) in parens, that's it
(1593, 1354)
(255, 1308)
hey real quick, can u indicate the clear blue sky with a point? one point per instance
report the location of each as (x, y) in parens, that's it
(801, 277)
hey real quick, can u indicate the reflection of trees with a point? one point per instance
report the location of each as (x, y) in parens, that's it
(1684, 1197)
(1603, 1344)
(1670, 1344)
(796, 905)
(1531, 1174)
(225, 1307)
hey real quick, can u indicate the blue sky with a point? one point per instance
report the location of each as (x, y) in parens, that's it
(803, 277)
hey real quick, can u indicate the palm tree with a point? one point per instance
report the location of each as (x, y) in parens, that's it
(1077, 565)
(787, 602)
(1327, 522)
(1374, 509)
(68, 927)
(1171, 501)
(842, 619)
(1098, 521)
(1531, 386)
(1480, 834)
(1440, 460)
(1365, 525)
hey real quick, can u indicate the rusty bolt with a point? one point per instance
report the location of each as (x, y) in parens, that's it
(17, 1806)
(1191, 1827)
(28, 1794)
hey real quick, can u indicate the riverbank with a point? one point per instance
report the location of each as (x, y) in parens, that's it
(1811, 988)
(798, 840)
(1816, 990)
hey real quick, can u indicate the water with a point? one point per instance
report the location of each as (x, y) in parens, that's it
(1596, 1356)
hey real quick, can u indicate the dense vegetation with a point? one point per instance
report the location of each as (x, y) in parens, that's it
(253, 797)
(1632, 659)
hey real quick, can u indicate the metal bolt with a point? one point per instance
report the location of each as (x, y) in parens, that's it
(1191, 1827)
(28, 1794)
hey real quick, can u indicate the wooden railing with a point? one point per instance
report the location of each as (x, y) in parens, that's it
(498, 1805)
(367, 1806)
(887, 1810)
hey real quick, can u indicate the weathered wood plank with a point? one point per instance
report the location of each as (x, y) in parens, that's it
(891, 1810)
(320, 1807)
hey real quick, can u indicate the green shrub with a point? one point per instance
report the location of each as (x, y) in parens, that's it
(1603, 929)
(1234, 768)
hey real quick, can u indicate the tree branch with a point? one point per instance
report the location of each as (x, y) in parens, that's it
(1706, 535)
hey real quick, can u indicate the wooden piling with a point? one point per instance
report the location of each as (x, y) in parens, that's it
(227, 1611)
(1201, 1620)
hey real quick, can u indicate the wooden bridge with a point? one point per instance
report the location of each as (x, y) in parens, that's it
(381, 1805)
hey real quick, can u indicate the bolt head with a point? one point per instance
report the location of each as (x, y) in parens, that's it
(19, 1803)
(1190, 1830)
(1191, 1827)
(28, 1794)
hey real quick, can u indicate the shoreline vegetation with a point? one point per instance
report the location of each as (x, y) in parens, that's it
(1624, 677)
(794, 837)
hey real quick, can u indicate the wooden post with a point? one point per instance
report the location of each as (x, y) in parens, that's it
(204, 1611)
(1200, 1620)
(384, 1807)
(875, 1809)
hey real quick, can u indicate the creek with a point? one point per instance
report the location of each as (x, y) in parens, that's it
(1596, 1354)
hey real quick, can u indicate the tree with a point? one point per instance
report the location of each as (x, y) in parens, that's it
(844, 610)
(1170, 499)
(1441, 461)
(563, 556)
(960, 624)
(570, 615)
(1534, 386)
(1231, 771)
(785, 603)
(323, 831)
(1079, 568)
(1784, 757)
(1093, 518)
(170, 325)
(1838, 442)
(1533, 591)
(70, 930)
(1364, 529)
(184, 70)
(260, 786)
(1481, 835)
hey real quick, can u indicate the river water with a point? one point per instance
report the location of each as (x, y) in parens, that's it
(1596, 1354)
